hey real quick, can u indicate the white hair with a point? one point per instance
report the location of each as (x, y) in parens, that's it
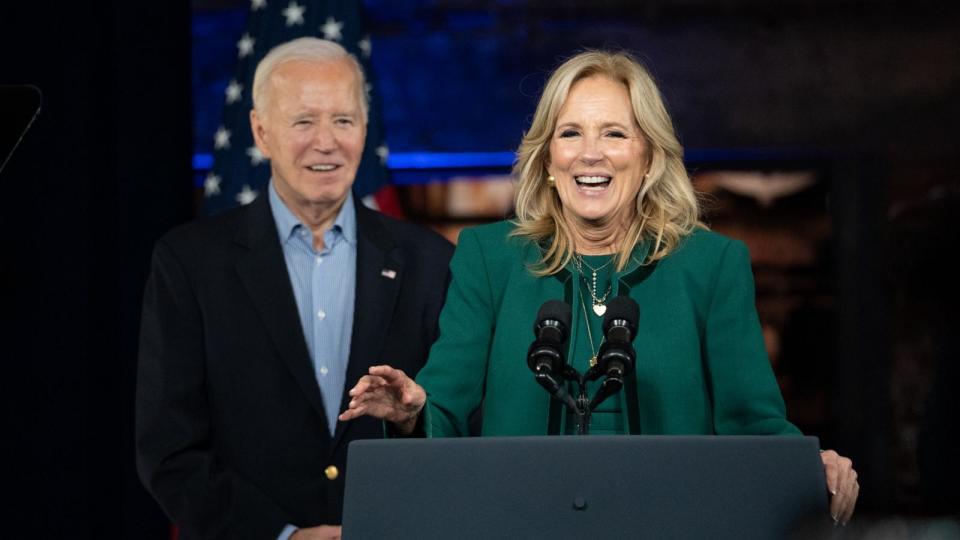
(306, 49)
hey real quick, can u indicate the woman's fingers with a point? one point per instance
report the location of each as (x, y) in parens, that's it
(850, 488)
(854, 493)
(391, 375)
(366, 383)
(350, 414)
(842, 484)
(830, 470)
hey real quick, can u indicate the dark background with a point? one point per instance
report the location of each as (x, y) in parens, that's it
(865, 92)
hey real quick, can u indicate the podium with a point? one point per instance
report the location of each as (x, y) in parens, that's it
(594, 487)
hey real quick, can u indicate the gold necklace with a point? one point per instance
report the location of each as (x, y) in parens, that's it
(586, 321)
(599, 306)
(584, 262)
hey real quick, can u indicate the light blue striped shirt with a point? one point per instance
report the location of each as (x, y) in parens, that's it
(324, 284)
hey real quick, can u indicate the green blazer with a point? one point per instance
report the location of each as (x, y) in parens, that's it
(701, 366)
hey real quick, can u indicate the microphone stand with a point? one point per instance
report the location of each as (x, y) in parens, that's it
(583, 406)
(584, 409)
(555, 389)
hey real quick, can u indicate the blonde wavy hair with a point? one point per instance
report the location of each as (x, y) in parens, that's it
(667, 206)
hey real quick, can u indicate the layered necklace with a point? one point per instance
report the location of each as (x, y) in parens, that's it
(599, 300)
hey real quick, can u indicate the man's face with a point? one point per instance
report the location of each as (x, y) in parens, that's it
(312, 129)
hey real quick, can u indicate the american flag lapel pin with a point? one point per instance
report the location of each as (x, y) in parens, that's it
(388, 273)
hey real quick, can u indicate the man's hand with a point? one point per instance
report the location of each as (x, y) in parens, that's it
(387, 393)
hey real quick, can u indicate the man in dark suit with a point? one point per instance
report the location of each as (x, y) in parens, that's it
(254, 321)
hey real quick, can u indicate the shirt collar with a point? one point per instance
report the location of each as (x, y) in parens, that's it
(347, 220)
(287, 223)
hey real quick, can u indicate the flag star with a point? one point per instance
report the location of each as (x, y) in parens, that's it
(234, 91)
(245, 46)
(256, 157)
(365, 46)
(294, 13)
(221, 139)
(246, 195)
(383, 153)
(331, 29)
(211, 185)
(257, 4)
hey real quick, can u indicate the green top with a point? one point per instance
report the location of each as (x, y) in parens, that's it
(701, 364)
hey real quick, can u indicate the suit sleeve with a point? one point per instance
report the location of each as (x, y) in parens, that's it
(455, 372)
(746, 397)
(176, 459)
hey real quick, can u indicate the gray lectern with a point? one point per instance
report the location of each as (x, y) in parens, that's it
(590, 488)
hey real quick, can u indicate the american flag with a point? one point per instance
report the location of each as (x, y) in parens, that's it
(240, 173)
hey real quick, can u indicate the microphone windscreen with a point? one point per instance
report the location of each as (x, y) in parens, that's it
(557, 310)
(621, 307)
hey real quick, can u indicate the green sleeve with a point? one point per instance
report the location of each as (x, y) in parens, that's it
(454, 374)
(746, 397)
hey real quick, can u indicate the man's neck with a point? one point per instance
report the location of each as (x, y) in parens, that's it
(319, 218)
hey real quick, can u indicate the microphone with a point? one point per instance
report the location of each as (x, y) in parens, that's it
(546, 353)
(616, 358)
(546, 356)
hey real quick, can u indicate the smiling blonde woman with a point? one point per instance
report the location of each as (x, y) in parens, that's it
(605, 209)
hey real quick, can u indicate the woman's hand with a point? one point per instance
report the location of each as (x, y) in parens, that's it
(842, 484)
(387, 393)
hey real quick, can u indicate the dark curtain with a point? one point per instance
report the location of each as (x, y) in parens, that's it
(103, 172)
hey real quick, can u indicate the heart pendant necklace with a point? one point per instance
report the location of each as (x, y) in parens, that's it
(599, 306)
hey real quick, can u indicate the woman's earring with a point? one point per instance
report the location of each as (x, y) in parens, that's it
(551, 181)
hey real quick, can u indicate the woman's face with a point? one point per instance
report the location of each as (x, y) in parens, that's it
(598, 154)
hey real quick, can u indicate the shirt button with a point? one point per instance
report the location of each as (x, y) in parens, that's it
(319, 261)
(322, 314)
(323, 370)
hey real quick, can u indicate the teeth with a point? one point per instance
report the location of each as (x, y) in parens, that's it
(592, 179)
(322, 168)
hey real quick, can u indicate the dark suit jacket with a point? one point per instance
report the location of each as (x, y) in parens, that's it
(232, 438)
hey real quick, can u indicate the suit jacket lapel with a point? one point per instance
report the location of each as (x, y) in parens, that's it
(263, 272)
(379, 274)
